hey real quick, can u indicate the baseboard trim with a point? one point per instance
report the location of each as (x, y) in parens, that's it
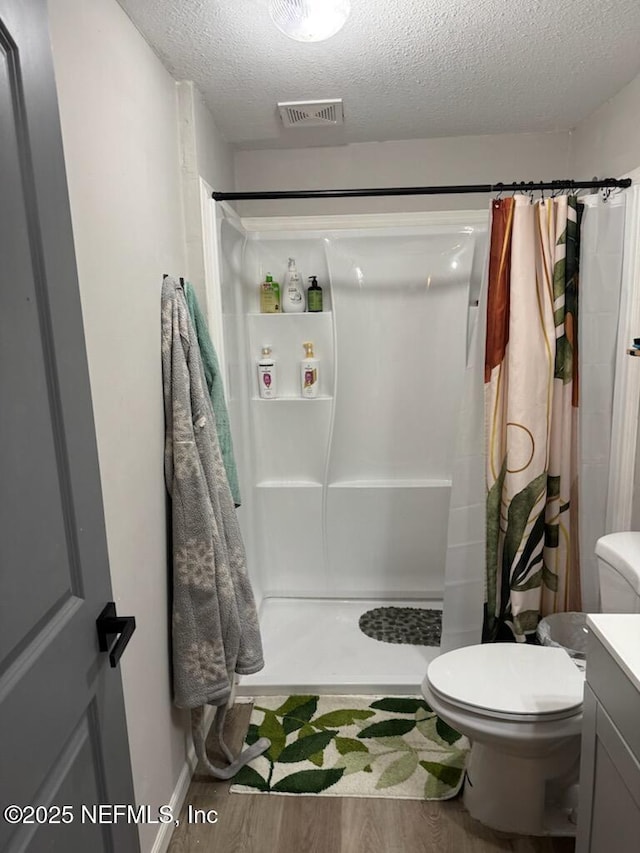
(165, 831)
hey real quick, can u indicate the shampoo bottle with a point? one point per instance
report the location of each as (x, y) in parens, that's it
(309, 372)
(267, 375)
(292, 294)
(314, 295)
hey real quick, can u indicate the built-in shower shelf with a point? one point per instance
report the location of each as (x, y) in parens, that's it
(288, 484)
(391, 484)
(356, 484)
(317, 399)
(286, 334)
(283, 314)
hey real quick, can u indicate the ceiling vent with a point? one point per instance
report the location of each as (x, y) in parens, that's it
(311, 113)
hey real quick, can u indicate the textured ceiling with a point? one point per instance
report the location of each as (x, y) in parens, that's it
(405, 68)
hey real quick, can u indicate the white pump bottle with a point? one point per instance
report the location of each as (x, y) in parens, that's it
(292, 294)
(309, 368)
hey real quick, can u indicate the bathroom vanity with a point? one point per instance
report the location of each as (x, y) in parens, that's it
(609, 809)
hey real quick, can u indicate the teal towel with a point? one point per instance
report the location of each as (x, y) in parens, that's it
(216, 389)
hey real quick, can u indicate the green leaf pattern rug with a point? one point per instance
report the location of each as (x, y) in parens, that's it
(353, 746)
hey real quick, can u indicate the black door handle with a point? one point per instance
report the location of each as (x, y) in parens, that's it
(109, 625)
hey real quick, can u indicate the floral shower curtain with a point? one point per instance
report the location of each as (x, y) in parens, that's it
(531, 413)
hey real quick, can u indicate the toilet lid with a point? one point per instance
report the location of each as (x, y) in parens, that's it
(509, 679)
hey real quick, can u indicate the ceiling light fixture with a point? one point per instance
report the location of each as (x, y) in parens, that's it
(309, 20)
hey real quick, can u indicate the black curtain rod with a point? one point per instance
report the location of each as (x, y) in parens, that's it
(521, 186)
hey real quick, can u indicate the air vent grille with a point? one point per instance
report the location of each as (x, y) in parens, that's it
(311, 113)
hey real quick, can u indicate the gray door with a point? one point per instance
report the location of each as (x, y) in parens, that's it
(63, 737)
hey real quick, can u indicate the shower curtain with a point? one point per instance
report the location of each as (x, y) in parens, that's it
(602, 243)
(531, 407)
(464, 576)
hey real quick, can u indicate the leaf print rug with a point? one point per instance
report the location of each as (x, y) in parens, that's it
(353, 746)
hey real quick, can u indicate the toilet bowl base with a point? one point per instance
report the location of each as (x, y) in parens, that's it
(524, 795)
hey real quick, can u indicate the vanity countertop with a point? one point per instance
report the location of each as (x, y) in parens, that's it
(620, 635)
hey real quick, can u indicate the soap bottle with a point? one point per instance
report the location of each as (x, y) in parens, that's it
(267, 375)
(309, 372)
(292, 294)
(314, 295)
(269, 296)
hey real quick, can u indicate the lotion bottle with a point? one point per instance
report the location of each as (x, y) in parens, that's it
(292, 293)
(267, 375)
(309, 372)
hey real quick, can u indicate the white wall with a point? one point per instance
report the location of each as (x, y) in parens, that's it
(215, 155)
(455, 160)
(119, 123)
(203, 154)
(607, 143)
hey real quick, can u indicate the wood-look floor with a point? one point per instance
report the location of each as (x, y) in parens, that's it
(263, 823)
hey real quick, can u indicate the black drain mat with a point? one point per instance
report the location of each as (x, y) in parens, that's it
(416, 626)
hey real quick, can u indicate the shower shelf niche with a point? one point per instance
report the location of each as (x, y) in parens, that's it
(286, 337)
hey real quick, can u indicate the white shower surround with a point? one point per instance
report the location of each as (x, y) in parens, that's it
(346, 498)
(311, 599)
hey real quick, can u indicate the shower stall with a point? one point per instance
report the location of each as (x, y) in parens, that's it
(346, 497)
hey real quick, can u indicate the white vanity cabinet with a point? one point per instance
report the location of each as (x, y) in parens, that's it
(609, 808)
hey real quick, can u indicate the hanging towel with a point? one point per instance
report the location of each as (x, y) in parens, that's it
(215, 631)
(216, 389)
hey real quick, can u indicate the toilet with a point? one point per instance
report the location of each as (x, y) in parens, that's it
(521, 707)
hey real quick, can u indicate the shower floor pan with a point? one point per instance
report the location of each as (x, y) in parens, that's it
(316, 646)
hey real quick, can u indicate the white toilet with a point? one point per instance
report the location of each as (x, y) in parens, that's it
(521, 707)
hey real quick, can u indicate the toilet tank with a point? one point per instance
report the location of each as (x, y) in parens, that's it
(619, 572)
